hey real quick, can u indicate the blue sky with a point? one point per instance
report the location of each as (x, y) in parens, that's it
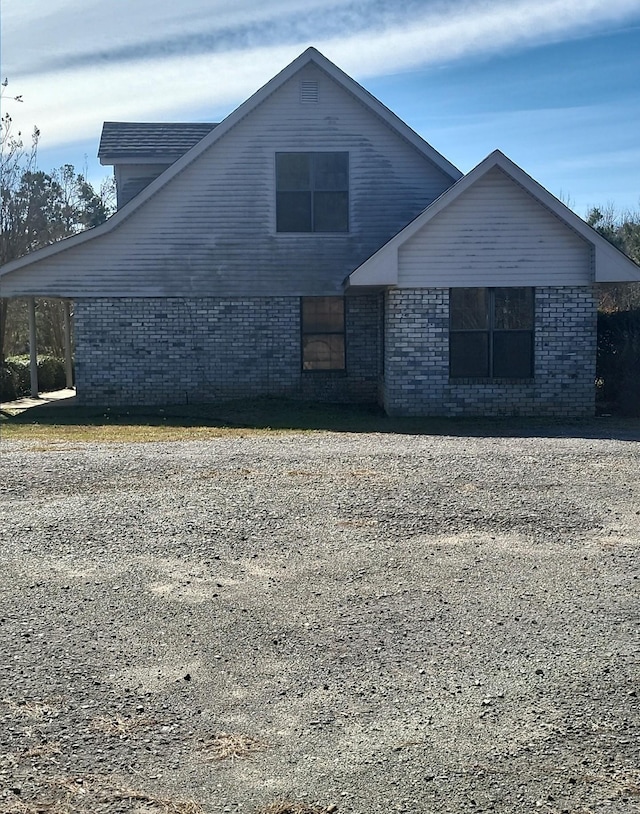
(552, 83)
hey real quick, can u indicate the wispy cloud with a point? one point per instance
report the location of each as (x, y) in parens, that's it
(83, 61)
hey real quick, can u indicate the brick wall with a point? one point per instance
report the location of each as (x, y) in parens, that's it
(416, 379)
(180, 350)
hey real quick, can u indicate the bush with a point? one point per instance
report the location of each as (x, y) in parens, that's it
(16, 381)
(618, 365)
(15, 376)
(51, 374)
(7, 384)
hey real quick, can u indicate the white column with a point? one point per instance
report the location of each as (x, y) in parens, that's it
(68, 359)
(33, 350)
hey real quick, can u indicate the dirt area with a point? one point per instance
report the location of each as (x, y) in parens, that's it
(350, 623)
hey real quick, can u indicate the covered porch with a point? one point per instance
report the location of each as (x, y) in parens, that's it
(27, 329)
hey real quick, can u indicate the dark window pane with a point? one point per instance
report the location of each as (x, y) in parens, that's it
(293, 211)
(469, 354)
(293, 171)
(513, 309)
(323, 352)
(331, 212)
(331, 171)
(513, 354)
(324, 178)
(322, 314)
(468, 308)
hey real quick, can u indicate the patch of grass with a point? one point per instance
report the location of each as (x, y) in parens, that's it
(46, 749)
(288, 807)
(35, 710)
(55, 423)
(225, 745)
(20, 807)
(160, 423)
(120, 727)
(96, 793)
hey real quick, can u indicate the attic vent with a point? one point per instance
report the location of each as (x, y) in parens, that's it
(308, 92)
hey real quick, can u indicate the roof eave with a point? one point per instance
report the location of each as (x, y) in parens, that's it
(309, 55)
(611, 265)
(110, 160)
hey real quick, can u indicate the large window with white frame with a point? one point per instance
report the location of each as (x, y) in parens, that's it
(491, 333)
(312, 192)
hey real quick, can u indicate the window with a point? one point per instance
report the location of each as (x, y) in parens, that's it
(312, 192)
(491, 333)
(323, 333)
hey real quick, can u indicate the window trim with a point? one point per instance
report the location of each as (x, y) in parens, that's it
(490, 332)
(306, 333)
(312, 191)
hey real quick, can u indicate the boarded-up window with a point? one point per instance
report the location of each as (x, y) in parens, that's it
(323, 333)
(312, 192)
(491, 333)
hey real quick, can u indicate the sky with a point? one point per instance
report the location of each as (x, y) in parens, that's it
(554, 84)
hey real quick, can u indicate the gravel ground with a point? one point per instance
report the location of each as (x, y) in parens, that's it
(401, 623)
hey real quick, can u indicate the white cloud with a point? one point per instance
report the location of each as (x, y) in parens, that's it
(70, 105)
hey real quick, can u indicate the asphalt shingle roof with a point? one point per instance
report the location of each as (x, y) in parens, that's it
(150, 139)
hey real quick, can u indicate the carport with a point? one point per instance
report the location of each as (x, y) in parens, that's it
(31, 301)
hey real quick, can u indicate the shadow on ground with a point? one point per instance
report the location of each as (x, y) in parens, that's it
(283, 414)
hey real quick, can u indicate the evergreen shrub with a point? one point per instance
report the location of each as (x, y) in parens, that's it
(618, 362)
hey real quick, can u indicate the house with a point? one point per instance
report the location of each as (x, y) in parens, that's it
(313, 245)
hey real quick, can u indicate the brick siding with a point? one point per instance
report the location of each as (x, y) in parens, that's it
(180, 350)
(416, 379)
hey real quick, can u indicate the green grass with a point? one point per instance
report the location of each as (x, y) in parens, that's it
(58, 423)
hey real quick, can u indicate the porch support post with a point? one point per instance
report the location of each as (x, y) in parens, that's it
(33, 350)
(68, 362)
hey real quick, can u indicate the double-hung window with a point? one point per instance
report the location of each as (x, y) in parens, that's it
(312, 192)
(491, 333)
(323, 332)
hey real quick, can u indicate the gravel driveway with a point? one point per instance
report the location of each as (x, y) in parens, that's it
(386, 623)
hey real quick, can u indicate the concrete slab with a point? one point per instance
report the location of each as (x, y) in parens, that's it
(65, 397)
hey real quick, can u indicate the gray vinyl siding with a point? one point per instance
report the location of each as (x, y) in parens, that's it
(133, 178)
(495, 234)
(211, 230)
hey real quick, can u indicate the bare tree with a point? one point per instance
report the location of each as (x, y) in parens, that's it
(36, 209)
(623, 231)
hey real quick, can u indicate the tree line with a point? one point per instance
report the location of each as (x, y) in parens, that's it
(623, 231)
(36, 209)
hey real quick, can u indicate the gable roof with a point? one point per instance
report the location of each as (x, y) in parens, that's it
(311, 55)
(121, 142)
(611, 265)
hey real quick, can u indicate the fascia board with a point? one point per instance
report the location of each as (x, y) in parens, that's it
(164, 158)
(387, 255)
(384, 113)
(611, 265)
